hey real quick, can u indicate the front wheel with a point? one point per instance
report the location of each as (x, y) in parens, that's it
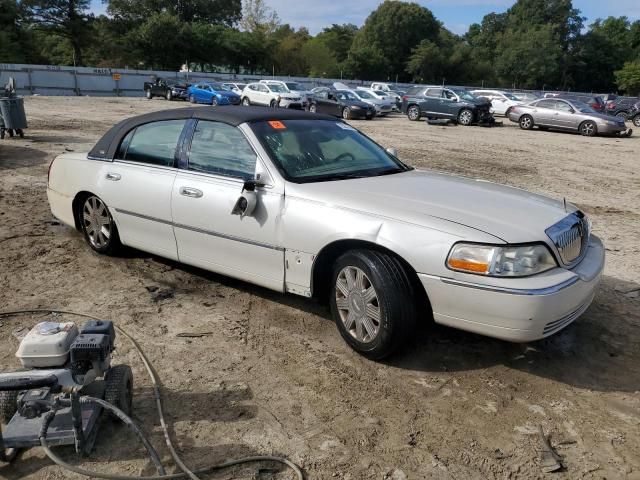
(214, 101)
(465, 117)
(169, 95)
(372, 302)
(149, 96)
(636, 120)
(246, 102)
(622, 115)
(98, 227)
(312, 108)
(413, 113)
(192, 99)
(588, 129)
(346, 113)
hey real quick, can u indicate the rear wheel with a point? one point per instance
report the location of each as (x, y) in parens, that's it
(169, 95)
(622, 115)
(214, 101)
(273, 103)
(192, 99)
(149, 96)
(372, 302)
(246, 102)
(8, 406)
(312, 108)
(465, 117)
(98, 227)
(588, 129)
(526, 122)
(346, 113)
(413, 113)
(119, 388)
(636, 121)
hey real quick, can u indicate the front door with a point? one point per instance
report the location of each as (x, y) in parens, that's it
(209, 236)
(565, 116)
(137, 186)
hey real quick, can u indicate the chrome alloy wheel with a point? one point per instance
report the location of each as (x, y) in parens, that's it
(588, 129)
(526, 122)
(466, 117)
(96, 221)
(357, 304)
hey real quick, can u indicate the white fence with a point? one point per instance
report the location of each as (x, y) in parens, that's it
(55, 80)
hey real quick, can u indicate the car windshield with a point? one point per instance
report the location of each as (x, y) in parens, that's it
(342, 95)
(277, 88)
(364, 94)
(464, 94)
(323, 150)
(294, 86)
(583, 107)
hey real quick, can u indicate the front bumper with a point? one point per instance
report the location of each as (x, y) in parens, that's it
(517, 310)
(363, 112)
(607, 129)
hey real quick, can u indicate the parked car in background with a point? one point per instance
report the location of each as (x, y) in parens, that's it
(526, 97)
(341, 103)
(306, 204)
(166, 88)
(451, 103)
(383, 107)
(593, 101)
(212, 94)
(235, 87)
(269, 95)
(634, 114)
(501, 101)
(569, 115)
(384, 87)
(293, 87)
(619, 106)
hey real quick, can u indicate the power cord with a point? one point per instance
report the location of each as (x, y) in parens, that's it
(186, 472)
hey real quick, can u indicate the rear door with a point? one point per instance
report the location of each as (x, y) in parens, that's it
(137, 186)
(544, 111)
(431, 103)
(220, 159)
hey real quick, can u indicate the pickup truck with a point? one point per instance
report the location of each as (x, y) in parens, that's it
(166, 88)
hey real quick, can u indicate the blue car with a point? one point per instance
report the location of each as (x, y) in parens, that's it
(212, 94)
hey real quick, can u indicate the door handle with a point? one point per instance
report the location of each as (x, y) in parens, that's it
(191, 192)
(114, 177)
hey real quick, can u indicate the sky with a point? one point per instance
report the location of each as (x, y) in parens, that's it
(457, 15)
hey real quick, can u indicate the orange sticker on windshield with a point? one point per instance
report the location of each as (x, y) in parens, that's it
(277, 125)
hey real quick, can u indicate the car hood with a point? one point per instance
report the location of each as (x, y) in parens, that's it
(509, 214)
(355, 103)
(226, 93)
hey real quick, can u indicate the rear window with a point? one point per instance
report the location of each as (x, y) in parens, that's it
(153, 143)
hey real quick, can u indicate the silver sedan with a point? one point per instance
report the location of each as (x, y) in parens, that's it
(560, 114)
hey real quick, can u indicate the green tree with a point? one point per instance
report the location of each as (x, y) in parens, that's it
(226, 12)
(338, 39)
(288, 56)
(367, 62)
(68, 19)
(160, 41)
(628, 78)
(321, 60)
(390, 33)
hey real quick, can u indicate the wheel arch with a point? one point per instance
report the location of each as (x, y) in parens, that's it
(76, 204)
(323, 266)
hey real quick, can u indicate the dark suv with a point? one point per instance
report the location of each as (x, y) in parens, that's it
(451, 103)
(619, 106)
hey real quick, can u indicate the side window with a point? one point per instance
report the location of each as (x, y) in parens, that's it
(448, 94)
(564, 106)
(434, 93)
(154, 143)
(546, 104)
(221, 149)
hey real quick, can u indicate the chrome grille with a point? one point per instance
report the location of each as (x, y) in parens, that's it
(570, 236)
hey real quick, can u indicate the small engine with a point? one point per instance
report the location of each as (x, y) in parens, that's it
(92, 348)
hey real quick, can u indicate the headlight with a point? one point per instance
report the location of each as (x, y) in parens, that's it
(497, 261)
(355, 107)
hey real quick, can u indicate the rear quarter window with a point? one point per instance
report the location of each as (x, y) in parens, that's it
(153, 143)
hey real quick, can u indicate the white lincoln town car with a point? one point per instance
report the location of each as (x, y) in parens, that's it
(304, 203)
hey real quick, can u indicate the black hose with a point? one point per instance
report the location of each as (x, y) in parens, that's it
(185, 471)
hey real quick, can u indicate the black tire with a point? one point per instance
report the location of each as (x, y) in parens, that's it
(8, 406)
(526, 122)
(169, 95)
(346, 113)
(110, 245)
(149, 95)
(313, 108)
(119, 388)
(20, 133)
(588, 128)
(214, 101)
(395, 301)
(2, 131)
(413, 113)
(246, 102)
(465, 117)
(636, 121)
(273, 103)
(623, 115)
(10, 132)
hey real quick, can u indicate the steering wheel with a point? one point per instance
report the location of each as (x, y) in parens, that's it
(344, 155)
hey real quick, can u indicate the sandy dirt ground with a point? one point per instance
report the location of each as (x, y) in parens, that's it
(271, 375)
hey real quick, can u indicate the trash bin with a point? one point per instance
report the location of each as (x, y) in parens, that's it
(12, 111)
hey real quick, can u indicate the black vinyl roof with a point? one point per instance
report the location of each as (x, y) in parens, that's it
(106, 147)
